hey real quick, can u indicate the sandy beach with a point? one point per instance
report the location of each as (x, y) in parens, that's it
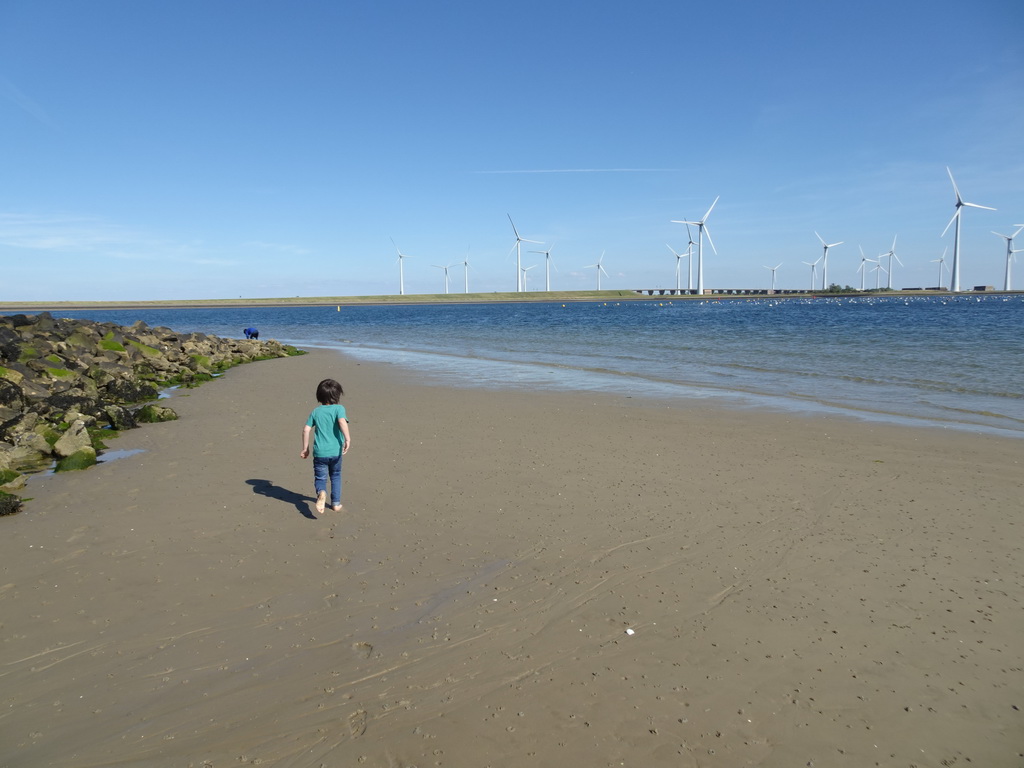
(518, 579)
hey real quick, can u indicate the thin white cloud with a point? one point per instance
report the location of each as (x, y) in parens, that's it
(203, 262)
(12, 93)
(59, 233)
(589, 170)
(295, 250)
(70, 234)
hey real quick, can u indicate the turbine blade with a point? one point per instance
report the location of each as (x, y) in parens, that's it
(705, 217)
(820, 238)
(955, 190)
(975, 205)
(950, 222)
(513, 225)
(710, 241)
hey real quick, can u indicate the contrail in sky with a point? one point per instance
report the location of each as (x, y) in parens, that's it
(10, 91)
(590, 170)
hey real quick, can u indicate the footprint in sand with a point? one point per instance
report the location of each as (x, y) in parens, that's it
(357, 723)
(362, 650)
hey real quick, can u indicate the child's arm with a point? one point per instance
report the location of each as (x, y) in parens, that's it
(306, 430)
(343, 423)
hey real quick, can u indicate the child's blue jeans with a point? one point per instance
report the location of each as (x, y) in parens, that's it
(322, 467)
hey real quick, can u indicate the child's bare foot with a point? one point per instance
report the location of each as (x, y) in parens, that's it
(321, 502)
(337, 507)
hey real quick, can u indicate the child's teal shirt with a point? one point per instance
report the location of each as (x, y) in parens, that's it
(327, 437)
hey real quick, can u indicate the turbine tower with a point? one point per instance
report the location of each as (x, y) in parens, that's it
(519, 253)
(599, 268)
(773, 274)
(877, 268)
(547, 267)
(863, 261)
(824, 261)
(445, 268)
(1009, 254)
(401, 272)
(954, 272)
(892, 255)
(701, 227)
(679, 258)
(689, 260)
(942, 265)
(525, 270)
(814, 269)
(465, 264)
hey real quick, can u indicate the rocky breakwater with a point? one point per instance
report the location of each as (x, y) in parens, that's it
(68, 385)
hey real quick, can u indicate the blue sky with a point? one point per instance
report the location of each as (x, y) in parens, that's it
(220, 149)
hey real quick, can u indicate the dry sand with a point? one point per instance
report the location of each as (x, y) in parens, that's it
(801, 591)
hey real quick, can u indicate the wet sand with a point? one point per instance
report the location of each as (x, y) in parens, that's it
(799, 591)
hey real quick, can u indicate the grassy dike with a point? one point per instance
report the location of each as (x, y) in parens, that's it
(345, 301)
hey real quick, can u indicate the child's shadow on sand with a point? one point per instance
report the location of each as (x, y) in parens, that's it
(267, 488)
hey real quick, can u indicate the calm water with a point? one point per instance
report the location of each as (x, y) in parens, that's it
(955, 362)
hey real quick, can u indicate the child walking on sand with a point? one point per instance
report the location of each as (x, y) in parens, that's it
(331, 440)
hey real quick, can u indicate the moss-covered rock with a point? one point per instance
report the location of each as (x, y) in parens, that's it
(120, 418)
(56, 372)
(152, 414)
(80, 459)
(145, 349)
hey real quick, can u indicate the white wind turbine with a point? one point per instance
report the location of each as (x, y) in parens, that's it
(465, 264)
(942, 265)
(525, 270)
(519, 253)
(824, 260)
(878, 278)
(864, 260)
(814, 269)
(547, 267)
(445, 268)
(773, 274)
(892, 255)
(701, 227)
(401, 272)
(599, 268)
(954, 272)
(689, 260)
(1009, 254)
(679, 258)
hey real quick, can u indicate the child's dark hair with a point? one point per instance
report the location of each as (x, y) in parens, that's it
(329, 392)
